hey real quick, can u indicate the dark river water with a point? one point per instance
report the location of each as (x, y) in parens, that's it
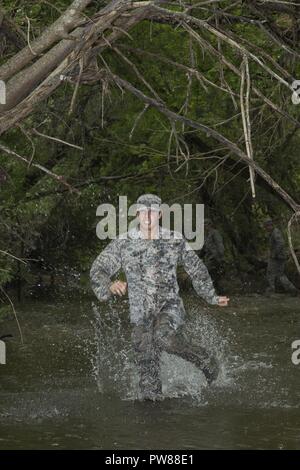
(73, 385)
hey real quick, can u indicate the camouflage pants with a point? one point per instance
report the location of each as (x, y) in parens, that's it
(151, 338)
(275, 272)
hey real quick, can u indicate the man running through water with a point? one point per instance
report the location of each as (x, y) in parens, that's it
(149, 255)
(277, 260)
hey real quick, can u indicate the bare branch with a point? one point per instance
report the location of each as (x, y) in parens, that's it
(6, 253)
(294, 218)
(232, 67)
(189, 70)
(244, 100)
(64, 24)
(56, 139)
(212, 133)
(58, 178)
(178, 17)
(14, 312)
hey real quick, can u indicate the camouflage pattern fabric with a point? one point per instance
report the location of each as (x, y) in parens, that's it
(149, 340)
(214, 247)
(276, 263)
(150, 268)
(156, 309)
(214, 255)
(277, 245)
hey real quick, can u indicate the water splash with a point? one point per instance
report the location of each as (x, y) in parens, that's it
(204, 329)
(113, 359)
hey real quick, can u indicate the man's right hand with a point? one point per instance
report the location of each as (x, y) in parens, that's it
(118, 288)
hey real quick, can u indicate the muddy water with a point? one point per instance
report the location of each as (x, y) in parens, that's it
(72, 385)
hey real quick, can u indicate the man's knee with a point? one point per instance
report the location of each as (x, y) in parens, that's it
(165, 333)
(140, 338)
(164, 337)
(145, 352)
(170, 339)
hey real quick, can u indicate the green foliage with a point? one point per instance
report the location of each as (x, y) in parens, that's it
(129, 153)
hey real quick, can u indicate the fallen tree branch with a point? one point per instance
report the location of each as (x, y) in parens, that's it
(212, 133)
(234, 69)
(65, 63)
(244, 100)
(161, 14)
(58, 178)
(14, 312)
(190, 70)
(56, 139)
(6, 253)
(294, 218)
(67, 21)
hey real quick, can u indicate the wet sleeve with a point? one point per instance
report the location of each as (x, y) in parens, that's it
(199, 274)
(219, 244)
(103, 268)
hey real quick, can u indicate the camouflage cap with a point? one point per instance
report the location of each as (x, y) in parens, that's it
(268, 221)
(207, 221)
(148, 201)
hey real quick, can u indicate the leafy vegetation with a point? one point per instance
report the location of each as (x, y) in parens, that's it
(126, 148)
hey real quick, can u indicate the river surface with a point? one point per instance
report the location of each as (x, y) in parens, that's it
(73, 385)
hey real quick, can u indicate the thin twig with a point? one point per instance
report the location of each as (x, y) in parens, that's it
(28, 37)
(76, 87)
(12, 256)
(294, 217)
(58, 178)
(212, 133)
(56, 139)
(232, 67)
(31, 142)
(15, 313)
(246, 119)
(139, 116)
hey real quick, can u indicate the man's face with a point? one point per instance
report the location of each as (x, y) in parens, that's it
(269, 227)
(148, 219)
(207, 227)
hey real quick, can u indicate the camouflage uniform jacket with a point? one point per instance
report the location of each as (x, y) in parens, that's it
(214, 248)
(277, 245)
(150, 268)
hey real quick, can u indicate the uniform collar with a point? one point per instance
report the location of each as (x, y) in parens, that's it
(136, 233)
(164, 233)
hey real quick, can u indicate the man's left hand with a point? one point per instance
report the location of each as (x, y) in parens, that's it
(223, 301)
